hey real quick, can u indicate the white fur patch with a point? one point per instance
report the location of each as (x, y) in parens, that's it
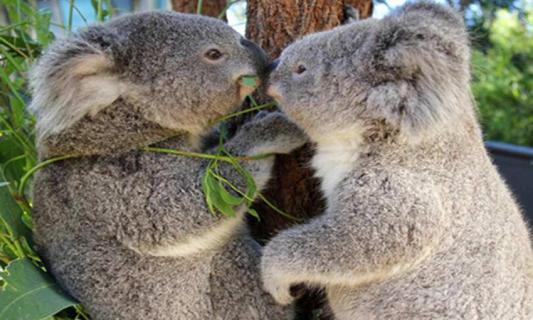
(277, 282)
(335, 157)
(210, 240)
(83, 86)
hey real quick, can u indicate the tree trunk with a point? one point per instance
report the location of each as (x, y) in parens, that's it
(212, 8)
(274, 25)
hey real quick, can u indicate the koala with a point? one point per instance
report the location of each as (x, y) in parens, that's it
(125, 231)
(419, 224)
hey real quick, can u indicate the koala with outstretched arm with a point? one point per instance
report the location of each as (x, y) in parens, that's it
(125, 231)
(419, 224)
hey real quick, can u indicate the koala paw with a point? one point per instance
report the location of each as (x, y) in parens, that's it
(270, 132)
(281, 284)
(279, 289)
(280, 135)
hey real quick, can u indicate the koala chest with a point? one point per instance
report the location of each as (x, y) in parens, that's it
(332, 163)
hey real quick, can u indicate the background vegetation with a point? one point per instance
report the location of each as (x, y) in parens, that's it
(502, 35)
(503, 77)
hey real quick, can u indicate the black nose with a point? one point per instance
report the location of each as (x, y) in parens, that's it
(247, 43)
(273, 65)
(260, 57)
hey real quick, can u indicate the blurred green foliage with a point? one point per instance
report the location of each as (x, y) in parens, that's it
(503, 78)
(26, 291)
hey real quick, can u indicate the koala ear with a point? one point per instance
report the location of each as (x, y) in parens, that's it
(75, 77)
(419, 60)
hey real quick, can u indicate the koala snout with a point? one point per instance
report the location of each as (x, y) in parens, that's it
(273, 91)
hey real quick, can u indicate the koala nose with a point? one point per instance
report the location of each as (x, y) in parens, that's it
(247, 43)
(272, 66)
(259, 56)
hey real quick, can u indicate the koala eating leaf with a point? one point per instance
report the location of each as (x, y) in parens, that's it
(419, 223)
(128, 232)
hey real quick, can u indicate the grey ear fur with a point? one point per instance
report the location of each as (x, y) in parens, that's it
(412, 56)
(75, 77)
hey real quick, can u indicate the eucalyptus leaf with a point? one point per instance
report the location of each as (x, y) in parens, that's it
(208, 193)
(228, 197)
(250, 81)
(217, 200)
(253, 213)
(11, 213)
(29, 293)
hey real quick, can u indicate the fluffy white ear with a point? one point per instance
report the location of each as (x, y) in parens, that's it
(72, 79)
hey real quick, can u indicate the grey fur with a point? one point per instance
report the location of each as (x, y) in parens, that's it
(419, 223)
(127, 232)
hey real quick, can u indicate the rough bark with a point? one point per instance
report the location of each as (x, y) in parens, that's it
(212, 8)
(274, 25)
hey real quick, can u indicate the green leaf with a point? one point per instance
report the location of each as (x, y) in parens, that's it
(11, 213)
(208, 192)
(218, 202)
(250, 81)
(228, 197)
(253, 213)
(29, 293)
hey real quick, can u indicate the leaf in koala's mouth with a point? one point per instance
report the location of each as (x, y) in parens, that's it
(250, 81)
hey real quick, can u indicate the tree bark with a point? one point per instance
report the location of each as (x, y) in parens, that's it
(212, 8)
(274, 25)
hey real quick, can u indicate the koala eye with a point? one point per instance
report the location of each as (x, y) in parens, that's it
(213, 54)
(300, 69)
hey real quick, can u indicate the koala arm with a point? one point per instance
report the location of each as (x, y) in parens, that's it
(371, 232)
(167, 214)
(267, 133)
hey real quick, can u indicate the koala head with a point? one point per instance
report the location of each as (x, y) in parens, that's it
(177, 72)
(409, 71)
